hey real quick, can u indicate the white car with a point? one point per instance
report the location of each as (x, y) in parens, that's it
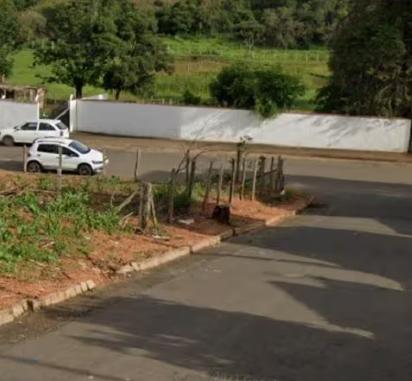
(28, 132)
(76, 157)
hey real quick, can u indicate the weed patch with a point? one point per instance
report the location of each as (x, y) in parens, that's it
(43, 226)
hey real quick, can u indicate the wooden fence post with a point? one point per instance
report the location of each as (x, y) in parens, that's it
(280, 178)
(281, 174)
(137, 164)
(272, 175)
(145, 205)
(104, 171)
(220, 184)
(254, 179)
(238, 161)
(262, 179)
(60, 169)
(191, 179)
(24, 158)
(243, 180)
(208, 184)
(187, 169)
(232, 181)
(153, 209)
(171, 203)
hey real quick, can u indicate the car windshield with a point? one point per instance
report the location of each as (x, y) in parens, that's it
(79, 147)
(61, 126)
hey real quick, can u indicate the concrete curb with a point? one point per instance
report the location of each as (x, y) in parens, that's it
(10, 314)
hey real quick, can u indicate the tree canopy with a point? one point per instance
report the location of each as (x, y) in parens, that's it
(277, 23)
(90, 40)
(9, 30)
(372, 61)
(137, 57)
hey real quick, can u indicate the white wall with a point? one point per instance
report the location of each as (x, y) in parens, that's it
(223, 125)
(14, 113)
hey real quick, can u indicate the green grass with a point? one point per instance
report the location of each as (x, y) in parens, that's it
(39, 225)
(197, 62)
(25, 74)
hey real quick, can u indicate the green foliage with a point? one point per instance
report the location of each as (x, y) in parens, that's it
(188, 98)
(139, 55)
(80, 41)
(35, 228)
(186, 17)
(86, 42)
(266, 90)
(32, 25)
(371, 62)
(282, 23)
(9, 30)
(23, 4)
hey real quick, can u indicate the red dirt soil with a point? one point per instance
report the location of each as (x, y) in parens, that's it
(111, 252)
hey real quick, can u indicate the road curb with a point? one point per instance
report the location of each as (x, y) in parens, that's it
(154, 262)
(31, 305)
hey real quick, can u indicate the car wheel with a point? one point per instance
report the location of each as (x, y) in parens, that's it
(85, 170)
(34, 167)
(8, 141)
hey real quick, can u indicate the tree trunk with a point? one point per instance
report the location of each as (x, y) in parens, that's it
(79, 91)
(117, 94)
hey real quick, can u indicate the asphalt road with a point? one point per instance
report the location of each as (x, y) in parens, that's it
(325, 296)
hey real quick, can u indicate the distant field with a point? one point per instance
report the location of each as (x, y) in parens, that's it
(197, 62)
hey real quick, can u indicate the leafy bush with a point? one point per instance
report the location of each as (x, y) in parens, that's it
(265, 90)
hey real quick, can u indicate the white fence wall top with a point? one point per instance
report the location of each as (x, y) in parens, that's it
(225, 125)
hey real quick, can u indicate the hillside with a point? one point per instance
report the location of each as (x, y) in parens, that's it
(202, 37)
(197, 62)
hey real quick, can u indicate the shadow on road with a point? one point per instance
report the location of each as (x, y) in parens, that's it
(388, 203)
(232, 345)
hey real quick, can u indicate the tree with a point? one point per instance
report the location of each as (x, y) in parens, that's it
(134, 66)
(81, 38)
(281, 27)
(138, 57)
(250, 32)
(90, 41)
(283, 23)
(183, 17)
(9, 29)
(371, 62)
(23, 4)
(32, 25)
(265, 90)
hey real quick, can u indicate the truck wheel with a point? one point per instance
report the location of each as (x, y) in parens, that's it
(85, 170)
(8, 141)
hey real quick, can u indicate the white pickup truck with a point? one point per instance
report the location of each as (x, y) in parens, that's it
(28, 132)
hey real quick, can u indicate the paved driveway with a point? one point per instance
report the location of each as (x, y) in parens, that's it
(326, 296)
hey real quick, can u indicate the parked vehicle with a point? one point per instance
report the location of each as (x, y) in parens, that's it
(28, 132)
(76, 157)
